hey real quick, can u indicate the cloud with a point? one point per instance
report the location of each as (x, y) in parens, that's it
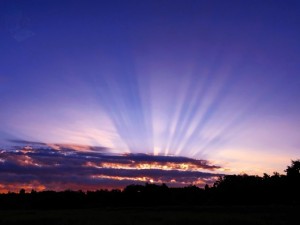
(58, 146)
(44, 167)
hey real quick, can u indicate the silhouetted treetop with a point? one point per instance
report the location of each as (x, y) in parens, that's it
(294, 169)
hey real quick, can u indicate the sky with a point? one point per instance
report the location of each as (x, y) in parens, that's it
(102, 94)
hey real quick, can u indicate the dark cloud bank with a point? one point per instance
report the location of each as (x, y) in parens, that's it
(59, 167)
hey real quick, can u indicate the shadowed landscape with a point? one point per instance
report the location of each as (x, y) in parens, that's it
(207, 215)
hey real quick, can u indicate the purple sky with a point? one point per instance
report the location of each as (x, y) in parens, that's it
(208, 80)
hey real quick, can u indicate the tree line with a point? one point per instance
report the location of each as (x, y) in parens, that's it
(229, 189)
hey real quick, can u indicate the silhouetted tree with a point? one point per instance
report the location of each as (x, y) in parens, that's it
(22, 192)
(294, 169)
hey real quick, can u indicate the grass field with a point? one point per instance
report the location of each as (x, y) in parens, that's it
(205, 215)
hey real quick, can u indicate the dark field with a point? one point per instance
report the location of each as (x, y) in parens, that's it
(210, 215)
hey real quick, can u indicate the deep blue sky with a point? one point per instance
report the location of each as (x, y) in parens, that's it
(214, 80)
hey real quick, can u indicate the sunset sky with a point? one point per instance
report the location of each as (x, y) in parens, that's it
(102, 94)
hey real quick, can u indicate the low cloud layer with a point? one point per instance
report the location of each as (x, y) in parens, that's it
(59, 167)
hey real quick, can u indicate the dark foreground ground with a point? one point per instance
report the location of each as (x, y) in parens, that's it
(204, 215)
